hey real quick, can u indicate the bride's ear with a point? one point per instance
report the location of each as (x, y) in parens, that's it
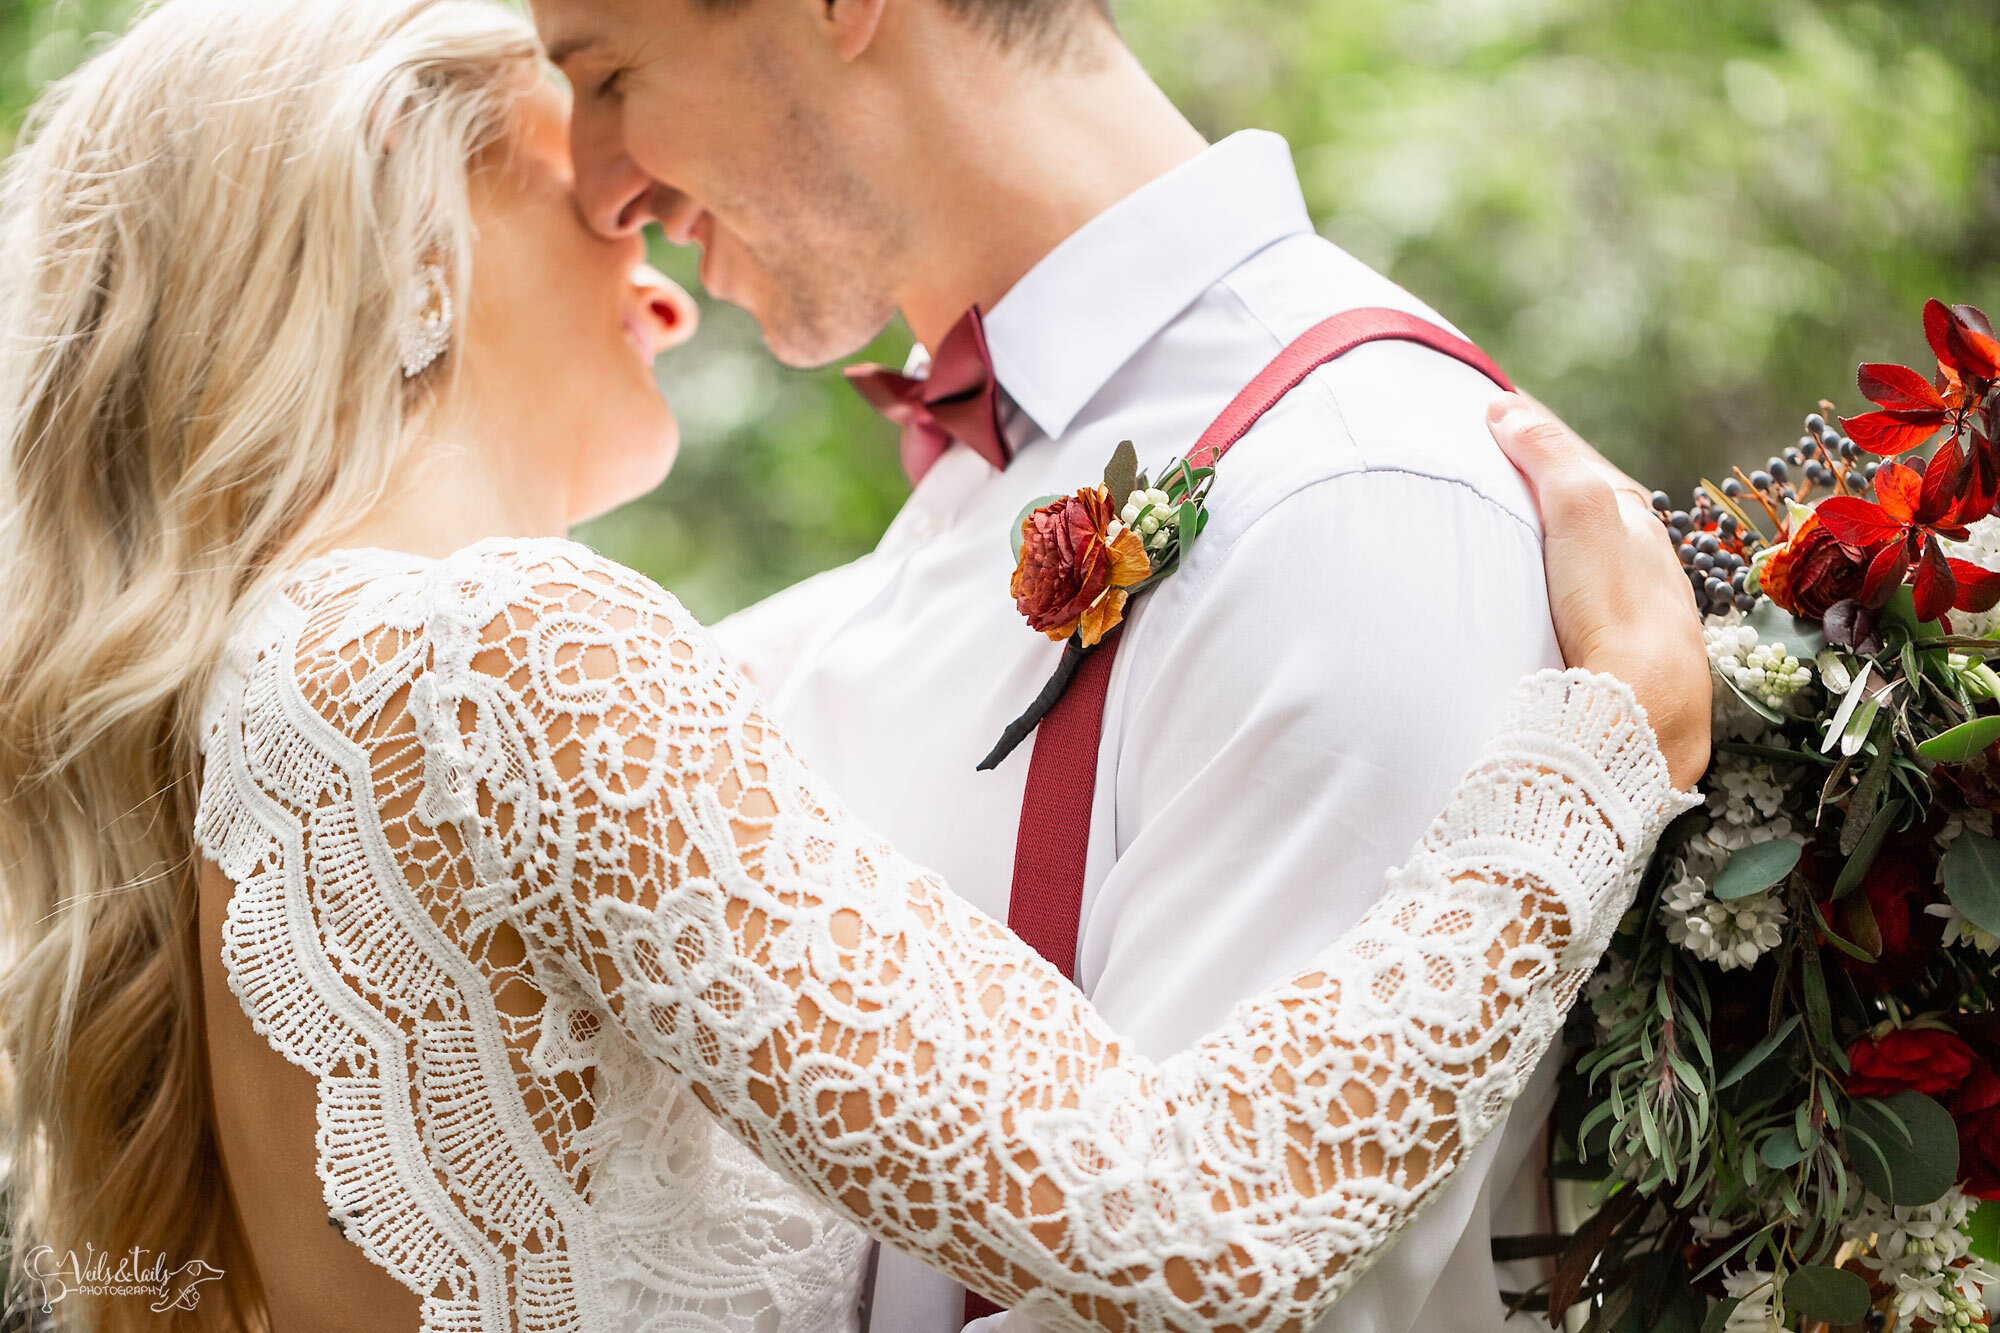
(852, 24)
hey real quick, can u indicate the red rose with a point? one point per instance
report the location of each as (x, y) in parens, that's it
(1905, 938)
(1812, 571)
(1925, 1060)
(1076, 563)
(1976, 1109)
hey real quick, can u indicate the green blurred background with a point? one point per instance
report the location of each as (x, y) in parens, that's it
(1680, 222)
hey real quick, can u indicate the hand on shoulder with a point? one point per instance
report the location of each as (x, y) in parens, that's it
(1617, 592)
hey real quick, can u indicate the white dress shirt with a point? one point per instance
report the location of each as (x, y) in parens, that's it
(1286, 714)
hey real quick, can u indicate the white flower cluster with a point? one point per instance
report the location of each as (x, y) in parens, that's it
(1957, 928)
(1765, 670)
(1729, 934)
(1982, 548)
(1745, 799)
(1925, 1253)
(1744, 791)
(1156, 526)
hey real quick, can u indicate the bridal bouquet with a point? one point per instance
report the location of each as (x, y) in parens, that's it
(1786, 1109)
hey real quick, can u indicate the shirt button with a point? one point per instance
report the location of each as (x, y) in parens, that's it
(925, 528)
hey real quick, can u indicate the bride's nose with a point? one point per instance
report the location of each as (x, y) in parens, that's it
(670, 312)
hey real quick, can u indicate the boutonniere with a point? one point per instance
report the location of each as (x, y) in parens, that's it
(1080, 559)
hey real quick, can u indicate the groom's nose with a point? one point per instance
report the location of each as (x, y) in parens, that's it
(614, 195)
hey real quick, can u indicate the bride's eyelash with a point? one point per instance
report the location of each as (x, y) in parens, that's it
(608, 83)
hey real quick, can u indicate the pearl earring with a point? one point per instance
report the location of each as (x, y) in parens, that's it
(426, 326)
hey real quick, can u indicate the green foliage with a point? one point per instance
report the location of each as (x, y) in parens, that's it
(1831, 1295)
(1679, 222)
(1755, 869)
(1905, 1147)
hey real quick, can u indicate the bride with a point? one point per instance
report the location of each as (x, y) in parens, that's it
(375, 857)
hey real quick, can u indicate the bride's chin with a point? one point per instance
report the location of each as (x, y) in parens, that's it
(635, 472)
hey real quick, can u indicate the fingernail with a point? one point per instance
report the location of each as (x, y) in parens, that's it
(1507, 403)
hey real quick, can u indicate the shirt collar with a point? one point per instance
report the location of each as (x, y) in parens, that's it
(1101, 295)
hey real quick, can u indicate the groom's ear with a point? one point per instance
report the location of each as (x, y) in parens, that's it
(852, 24)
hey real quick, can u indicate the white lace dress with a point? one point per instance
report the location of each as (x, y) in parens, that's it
(527, 881)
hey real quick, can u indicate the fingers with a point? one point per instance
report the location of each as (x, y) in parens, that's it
(1620, 479)
(1576, 503)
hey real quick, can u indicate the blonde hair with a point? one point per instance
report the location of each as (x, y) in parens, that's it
(207, 243)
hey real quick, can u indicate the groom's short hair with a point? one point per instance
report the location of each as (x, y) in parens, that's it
(1011, 22)
(1020, 22)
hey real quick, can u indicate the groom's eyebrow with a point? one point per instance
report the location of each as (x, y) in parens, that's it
(569, 47)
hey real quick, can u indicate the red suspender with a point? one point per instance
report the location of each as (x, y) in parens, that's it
(1046, 907)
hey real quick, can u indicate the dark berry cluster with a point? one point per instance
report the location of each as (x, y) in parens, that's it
(1718, 540)
(1715, 549)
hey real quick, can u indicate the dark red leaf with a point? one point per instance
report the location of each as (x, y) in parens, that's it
(1982, 485)
(1943, 487)
(1978, 588)
(1857, 522)
(1888, 433)
(1885, 572)
(1964, 347)
(1898, 490)
(1936, 586)
(1894, 386)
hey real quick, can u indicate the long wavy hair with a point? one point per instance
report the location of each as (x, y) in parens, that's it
(209, 239)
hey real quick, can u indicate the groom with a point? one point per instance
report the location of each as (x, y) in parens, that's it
(1286, 714)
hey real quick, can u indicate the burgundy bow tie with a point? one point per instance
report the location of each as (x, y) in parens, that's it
(958, 400)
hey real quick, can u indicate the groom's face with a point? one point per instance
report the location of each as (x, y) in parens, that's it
(739, 131)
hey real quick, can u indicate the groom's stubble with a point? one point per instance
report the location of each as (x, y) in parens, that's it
(826, 252)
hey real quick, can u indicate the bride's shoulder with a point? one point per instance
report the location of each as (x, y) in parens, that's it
(534, 578)
(550, 603)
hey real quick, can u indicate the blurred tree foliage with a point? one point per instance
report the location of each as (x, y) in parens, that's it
(1680, 222)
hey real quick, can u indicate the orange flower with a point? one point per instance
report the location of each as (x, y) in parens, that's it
(1074, 572)
(1813, 570)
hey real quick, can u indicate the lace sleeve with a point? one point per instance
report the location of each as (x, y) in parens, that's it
(905, 1057)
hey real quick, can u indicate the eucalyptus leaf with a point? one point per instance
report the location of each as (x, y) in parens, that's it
(1781, 1151)
(1803, 639)
(1830, 1295)
(1962, 742)
(1756, 868)
(1121, 474)
(1904, 1148)
(1972, 879)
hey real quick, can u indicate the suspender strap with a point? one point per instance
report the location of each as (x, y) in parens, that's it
(1046, 906)
(1322, 343)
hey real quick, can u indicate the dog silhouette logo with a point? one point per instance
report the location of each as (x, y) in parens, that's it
(183, 1286)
